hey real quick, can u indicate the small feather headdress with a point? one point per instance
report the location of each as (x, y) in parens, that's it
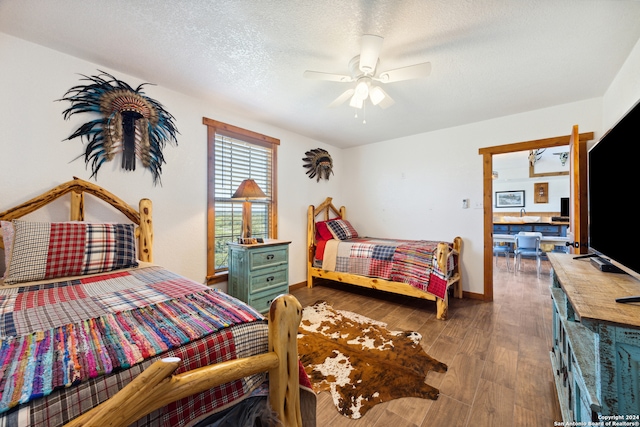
(130, 123)
(319, 162)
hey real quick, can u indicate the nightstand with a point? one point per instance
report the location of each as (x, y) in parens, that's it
(259, 273)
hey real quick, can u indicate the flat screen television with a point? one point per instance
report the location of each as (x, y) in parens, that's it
(614, 183)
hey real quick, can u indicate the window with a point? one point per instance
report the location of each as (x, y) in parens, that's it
(235, 154)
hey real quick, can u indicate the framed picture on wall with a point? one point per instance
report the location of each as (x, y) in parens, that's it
(510, 199)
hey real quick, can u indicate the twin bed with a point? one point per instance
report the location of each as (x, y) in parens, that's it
(93, 333)
(422, 269)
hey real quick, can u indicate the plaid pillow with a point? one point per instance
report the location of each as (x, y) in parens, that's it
(44, 250)
(342, 229)
(7, 239)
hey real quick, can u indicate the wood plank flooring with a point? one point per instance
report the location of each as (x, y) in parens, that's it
(498, 354)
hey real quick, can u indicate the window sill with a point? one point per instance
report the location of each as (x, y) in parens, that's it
(223, 276)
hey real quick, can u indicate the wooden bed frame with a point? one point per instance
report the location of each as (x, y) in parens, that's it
(328, 211)
(157, 386)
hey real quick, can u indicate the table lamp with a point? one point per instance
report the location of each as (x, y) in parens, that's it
(247, 191)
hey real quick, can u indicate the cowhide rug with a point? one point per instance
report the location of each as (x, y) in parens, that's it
(361, 362)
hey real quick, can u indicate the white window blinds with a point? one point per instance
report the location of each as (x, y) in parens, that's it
(235, 161)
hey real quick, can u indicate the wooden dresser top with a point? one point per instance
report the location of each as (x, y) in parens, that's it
(593, 293)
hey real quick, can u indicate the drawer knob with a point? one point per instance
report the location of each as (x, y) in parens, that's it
(270, 256)
(270, 278)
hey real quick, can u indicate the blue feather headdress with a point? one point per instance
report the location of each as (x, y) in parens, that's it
(130, 122)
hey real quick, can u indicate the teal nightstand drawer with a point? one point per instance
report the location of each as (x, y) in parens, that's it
(270, 278)
(265, 257)
(262, 301)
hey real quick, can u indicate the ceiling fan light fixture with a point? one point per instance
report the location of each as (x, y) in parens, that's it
(377, 95)
(362, 89)
(356, 102)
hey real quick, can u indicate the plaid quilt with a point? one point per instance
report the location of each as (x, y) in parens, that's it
(405, 261)
(67, 346)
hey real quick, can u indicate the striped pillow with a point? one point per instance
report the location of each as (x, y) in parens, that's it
(342, 229)
(43, 250)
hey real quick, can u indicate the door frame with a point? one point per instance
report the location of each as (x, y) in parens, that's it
(487, 154)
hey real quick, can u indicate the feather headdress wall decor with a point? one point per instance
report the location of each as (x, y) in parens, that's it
(130, 123)
(319, 163)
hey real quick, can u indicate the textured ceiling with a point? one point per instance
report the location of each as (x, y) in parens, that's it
(490, 58)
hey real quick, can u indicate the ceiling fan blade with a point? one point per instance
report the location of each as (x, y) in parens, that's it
(317, 75)
(369, 53)
(342, 98)
(405, 73)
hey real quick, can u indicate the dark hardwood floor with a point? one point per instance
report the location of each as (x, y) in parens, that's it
(498, 354)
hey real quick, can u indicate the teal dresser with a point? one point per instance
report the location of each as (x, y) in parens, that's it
(258, 273)
(595, 353)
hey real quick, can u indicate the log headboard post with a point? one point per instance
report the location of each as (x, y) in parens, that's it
(311, 242)
(145, 239)
(77, 206)
(457, 246)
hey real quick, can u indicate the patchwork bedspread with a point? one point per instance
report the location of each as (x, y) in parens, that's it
(66, 346)
(405, 261)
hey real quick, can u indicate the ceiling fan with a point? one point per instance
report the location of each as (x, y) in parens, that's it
(363, 71)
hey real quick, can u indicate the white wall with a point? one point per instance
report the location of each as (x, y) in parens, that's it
(413, 187)
(624, 91)
(34, 158)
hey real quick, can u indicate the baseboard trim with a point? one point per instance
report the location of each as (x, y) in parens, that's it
(298, 286)
(465, 294)
(473, 295)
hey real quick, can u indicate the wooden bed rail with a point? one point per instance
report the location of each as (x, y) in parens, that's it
(77, 187)
(157, 386)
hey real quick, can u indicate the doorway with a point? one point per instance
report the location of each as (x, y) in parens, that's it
(487, 154)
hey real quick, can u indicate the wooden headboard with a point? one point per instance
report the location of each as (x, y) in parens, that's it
(77, 188)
